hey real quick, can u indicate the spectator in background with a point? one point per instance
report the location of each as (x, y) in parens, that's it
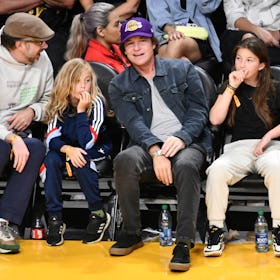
(249, 104)
(124, 9)
(95, 34)
(75, 116)
(247, 18)
(26, 82)
(56, 14)
(165, 15)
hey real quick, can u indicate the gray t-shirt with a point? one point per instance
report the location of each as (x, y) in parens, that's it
(164, 122)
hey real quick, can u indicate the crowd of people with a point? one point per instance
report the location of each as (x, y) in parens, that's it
(158, 97)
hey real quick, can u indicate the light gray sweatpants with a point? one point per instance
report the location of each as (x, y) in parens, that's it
(235, 163)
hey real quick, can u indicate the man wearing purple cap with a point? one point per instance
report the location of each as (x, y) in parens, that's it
(164, 109)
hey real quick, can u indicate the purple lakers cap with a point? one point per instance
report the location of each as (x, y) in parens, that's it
(136, 26)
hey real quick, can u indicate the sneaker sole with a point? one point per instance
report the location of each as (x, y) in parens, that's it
(102, 234)
(7, 251)
(179, 266)
(125, 251)
(214, 253)
(276, 253)
(62, 239)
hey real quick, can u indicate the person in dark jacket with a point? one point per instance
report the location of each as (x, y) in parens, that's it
(164, 109)
(76, 138)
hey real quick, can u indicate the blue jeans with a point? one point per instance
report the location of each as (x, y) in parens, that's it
(14, 202)
(134, 165)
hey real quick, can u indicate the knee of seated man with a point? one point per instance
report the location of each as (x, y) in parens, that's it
(36, 147)
(125, 160)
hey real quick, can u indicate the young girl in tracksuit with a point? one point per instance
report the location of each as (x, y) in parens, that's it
(76, 138)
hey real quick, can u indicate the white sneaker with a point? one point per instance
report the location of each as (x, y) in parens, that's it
(276, 241)
(215, 243)
(8, 243)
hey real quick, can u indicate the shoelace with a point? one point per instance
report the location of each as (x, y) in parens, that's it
(55, 227)
(276, 234)
(215, 235)
(181, 250)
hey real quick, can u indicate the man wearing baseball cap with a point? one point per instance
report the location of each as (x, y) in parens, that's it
(164, 109)
(26, 83)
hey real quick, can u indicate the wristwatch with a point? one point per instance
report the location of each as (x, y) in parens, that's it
(157, 153)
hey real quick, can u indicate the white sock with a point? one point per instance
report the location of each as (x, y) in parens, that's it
(275, 223)
(219, 224)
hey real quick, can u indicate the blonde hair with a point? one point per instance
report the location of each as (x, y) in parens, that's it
(65, 80)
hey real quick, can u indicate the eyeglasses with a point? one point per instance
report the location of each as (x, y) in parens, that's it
(38, 43)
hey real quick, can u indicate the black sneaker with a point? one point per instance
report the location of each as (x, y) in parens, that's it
(215, 244)
(181, 258)
(276, 241)
(96, 228)
(126, 244)
(56, 229)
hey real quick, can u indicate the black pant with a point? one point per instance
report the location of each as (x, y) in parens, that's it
(134, 166)
(15, 199)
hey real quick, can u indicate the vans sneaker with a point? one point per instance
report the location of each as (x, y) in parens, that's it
(8, 243)
(126, 244)
(56, 229)
(96, 228)
(215, 243)
(276, 241)
(181, 258)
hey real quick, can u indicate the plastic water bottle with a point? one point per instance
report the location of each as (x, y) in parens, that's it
(165, 227)
(261, 233)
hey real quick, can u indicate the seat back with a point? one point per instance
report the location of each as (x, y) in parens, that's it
(104, 74)
(208, 84)
(275, 72)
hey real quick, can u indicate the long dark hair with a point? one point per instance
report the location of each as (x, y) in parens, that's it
(265, 87)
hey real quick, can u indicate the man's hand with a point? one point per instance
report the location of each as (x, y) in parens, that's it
(172, 146)
(162, 168)
(21, 154)
(269, 37)
(21, 120)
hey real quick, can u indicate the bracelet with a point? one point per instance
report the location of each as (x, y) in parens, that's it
(231, 91)
(13, 138)
(231, 87)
